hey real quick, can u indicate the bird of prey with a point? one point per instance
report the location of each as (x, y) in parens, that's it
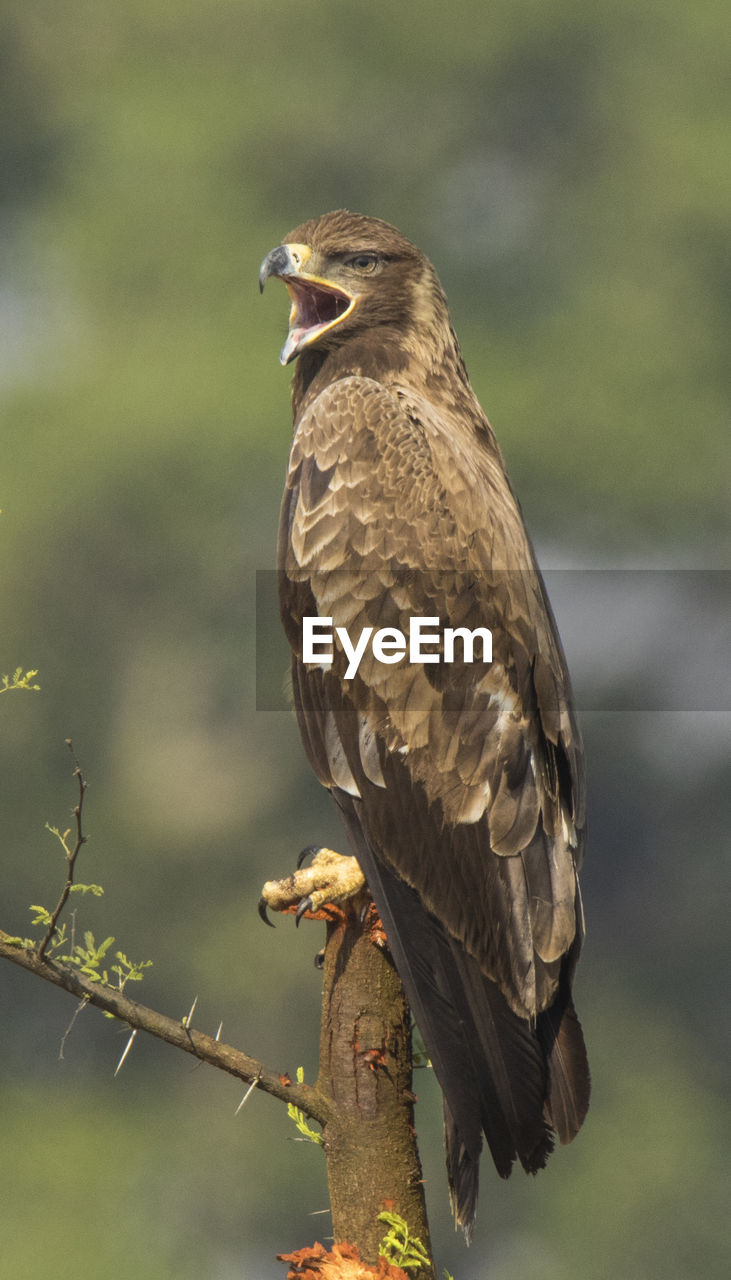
(461, 783)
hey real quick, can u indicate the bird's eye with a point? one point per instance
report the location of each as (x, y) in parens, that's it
(363, 261)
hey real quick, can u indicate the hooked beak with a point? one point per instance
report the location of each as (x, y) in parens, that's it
(318, 305)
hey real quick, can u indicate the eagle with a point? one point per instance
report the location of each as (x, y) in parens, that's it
(461, 783)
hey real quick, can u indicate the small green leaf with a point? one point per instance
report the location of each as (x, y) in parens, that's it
(300, 1118)
(399, 1247)
(42, 915)
(18, 680)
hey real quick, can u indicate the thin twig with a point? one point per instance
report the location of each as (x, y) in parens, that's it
(70, 857)
(171, 1030)
(81, 1005)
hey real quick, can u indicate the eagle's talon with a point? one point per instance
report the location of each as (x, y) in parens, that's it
(320, 959)
(318, 891)
(306, 904)
(262, 909)
(311, 851)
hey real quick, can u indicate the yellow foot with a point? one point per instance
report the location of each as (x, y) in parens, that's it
(318, 891)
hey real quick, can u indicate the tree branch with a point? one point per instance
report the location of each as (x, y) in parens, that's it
(139, 1016)
(366, 1072)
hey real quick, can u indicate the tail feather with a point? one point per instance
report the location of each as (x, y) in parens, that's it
(463, 1175)
(562, 1040)
(499, 1074)
(516, 1069)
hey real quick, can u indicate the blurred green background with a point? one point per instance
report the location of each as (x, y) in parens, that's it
(565, 168)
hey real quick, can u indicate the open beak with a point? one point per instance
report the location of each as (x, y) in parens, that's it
(317, 304)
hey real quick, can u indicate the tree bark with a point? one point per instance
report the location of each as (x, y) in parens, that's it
(366, 1078)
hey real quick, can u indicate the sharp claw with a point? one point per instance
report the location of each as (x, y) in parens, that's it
(364, 912)
(263, 913)
(305, 905)
(309, 852)
(320, 960)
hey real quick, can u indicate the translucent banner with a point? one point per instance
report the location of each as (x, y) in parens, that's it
(635, 639)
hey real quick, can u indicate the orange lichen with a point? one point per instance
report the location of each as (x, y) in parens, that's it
(327, 912)
(375, 1058)
(341, 1263)
(376, 931)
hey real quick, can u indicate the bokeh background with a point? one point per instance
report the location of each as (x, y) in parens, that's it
(564, 166)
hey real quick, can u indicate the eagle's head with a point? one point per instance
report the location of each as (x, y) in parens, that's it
(346, 273)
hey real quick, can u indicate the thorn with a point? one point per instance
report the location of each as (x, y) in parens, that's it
(320, 959)
(315, 1213)
(81, 1005)
(220, 1029)
(187, 1019)
(263, 913)
(311, 851)
(249, 1091)
(127, 1048)
(306, 904)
